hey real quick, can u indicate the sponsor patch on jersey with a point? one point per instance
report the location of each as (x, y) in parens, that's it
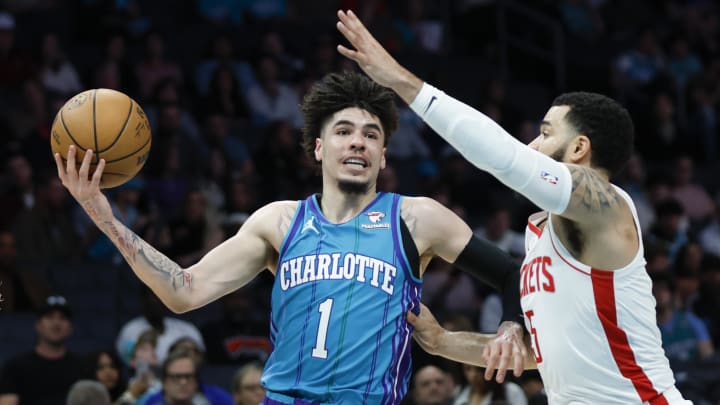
(548, 177)
(375, 218)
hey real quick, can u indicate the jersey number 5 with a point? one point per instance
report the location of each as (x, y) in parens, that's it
(533, 331)
(320, 351)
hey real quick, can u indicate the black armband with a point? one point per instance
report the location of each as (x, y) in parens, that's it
(491, 265)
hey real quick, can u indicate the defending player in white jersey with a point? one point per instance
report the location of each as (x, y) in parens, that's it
(585, 293)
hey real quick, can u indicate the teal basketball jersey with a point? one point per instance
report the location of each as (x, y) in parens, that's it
(339, 305)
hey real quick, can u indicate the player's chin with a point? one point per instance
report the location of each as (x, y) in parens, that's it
(354, 186)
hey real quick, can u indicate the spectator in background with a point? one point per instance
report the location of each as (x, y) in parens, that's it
(57, 73)
(710, 233)
(582, 18)
(480, 391)
(154, 317)
(272, 99)
(189, 347)
(633, 181)
(115, 71)
(145, 368)
(15, 66)
(697, 203)
(32, 111)
(223, 55)
(219, 135)
(432, 385)
(683, 64)
(194, 232)
(670, 227)
(88, 392)
(418, 29)
(241, 334)
(498, 231)
(181, 385)
(42, 233)
(246, 387)
(103, 366)
(18, 189)
(637, 68)
(225, 96)
(290, 67)
(22, 289)
(155, 66)
(684, 336)
(50, 363)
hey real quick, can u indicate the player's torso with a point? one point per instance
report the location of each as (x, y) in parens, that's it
(338, 307)
(594, 332)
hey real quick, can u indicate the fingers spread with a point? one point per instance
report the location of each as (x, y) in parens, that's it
(519, 361)
(97, 175)
(492, 361)
(70, 164)
(59, 164)
(85, 166)
(349, 53)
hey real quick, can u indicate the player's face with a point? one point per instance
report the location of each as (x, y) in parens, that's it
(351, 149)
(555, 134)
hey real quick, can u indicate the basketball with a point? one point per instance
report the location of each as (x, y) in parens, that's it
(110, 123)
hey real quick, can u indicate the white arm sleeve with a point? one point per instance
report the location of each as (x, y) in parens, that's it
(484, 143)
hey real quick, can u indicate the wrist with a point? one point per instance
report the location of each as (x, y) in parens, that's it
(407, 86)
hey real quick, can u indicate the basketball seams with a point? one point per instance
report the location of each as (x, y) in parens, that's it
(122, 130)
(67, 130)
(131, 153)
(96, 157)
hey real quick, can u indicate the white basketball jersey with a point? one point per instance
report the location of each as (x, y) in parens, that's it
(594, 332)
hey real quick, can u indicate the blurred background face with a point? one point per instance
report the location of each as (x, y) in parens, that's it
(53, 328)
(250, 392)
(107, 371)
(432, 387)
(180, 382)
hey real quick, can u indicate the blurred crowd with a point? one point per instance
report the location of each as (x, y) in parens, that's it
(221, 82)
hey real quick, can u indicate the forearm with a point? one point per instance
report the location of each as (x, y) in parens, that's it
(167, 279)
(468, 347)
(488, 146)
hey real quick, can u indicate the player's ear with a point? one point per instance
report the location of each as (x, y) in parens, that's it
(318, 149)
(580, 149)
(383, 162)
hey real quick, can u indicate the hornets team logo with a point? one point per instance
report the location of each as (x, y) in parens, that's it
(375, 218)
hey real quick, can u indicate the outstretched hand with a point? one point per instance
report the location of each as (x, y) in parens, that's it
(85, 189)
(373, 59)
(505, 348)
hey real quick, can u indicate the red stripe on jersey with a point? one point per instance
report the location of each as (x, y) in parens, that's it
(604, 292)
(537, 231)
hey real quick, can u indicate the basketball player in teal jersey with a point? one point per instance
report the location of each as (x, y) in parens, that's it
(347, 263)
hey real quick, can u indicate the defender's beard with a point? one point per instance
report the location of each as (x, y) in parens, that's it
(353, 187)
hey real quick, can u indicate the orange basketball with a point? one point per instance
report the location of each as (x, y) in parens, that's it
(110, 123)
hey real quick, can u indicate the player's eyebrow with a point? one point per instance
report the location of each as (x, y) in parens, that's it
(352, 124)
(545, 123)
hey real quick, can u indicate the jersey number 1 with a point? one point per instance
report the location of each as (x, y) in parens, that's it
(319, 350)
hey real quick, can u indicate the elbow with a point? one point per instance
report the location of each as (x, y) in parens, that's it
(178, 306)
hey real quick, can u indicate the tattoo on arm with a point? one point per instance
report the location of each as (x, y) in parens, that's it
(592, 193)
(133, 247)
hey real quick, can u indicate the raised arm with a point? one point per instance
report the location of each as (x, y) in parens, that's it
(574, 192)
(225, 268)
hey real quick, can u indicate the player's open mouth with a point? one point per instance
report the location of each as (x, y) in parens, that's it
(356, 162)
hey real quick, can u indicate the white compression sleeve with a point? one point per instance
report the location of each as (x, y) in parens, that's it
(484, 143)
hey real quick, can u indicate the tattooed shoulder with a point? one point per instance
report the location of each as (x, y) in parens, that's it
(591, 192)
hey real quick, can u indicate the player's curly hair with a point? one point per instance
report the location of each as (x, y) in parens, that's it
(337, 91)
(606, 123)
